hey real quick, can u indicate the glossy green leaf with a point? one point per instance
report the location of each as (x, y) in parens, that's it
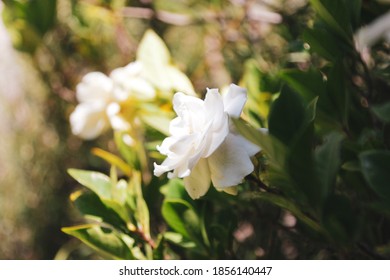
(382, 111)
(138, 204)
(375, 165)
(181, 217)
(89, 204)
(105, 241)
(95, 181)
(178, 239)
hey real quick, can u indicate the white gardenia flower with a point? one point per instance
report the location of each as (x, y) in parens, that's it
(94, 94)
(203, 148)
(368, 35)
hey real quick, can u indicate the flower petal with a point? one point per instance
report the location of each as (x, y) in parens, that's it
(94, 86)
(198, 183)
(230, 163)
(234, 100)
(88, 120)
(219, 126)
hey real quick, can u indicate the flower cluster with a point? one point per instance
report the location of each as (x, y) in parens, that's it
(113, 101)
(203, 147)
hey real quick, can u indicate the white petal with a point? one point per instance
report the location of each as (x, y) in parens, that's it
(182, 102)
(214, 109)
(230, 163)
(234, 100)
(88, 120)
(229, 190)
(198, 183)
(218, 120)
(141, 89)
(250, 148)
(94, 86)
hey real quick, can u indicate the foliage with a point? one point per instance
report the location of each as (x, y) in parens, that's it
(320, 185)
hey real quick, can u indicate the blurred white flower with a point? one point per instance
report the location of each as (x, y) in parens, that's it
(202, 147)
(94, 94)
(130, 84)
(368, 35)
(118, 100)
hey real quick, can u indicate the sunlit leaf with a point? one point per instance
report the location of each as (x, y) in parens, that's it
(155, 58)
(105, 241)
(89, 204)
(178, 239)
(95, 181)
(113, 160)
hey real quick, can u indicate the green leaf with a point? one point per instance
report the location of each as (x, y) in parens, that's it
(309, 84)
(322, 42)
(340, 220)
(113, 160)
(182, 218)
(138, 204)
(95, 181)
(155, 58)
(275, 149)
(105, 241)
(335, 15)
(287, 116)
(156, 120)
(128, 153)
(337, 92)
(42, 14)
(382, 111)
(328, 161)
(285, 204)
(375, 165)
(89, 204)
(178, 239)
(158, 252)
